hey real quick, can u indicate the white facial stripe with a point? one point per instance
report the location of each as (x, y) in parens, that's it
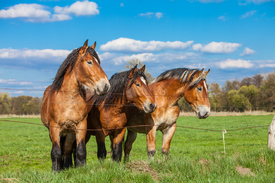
(85, 87)
(143, 80)
(205, 85)
(96, 60)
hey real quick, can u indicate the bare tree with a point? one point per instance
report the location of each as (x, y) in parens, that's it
(246, 81)
(231, 85)
(257, 80)
(132, 63)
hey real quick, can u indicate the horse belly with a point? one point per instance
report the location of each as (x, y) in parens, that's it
(138, 125)
(112, 121)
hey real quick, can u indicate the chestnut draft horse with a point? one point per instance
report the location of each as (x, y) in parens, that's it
(108, 113)
(64, 108)
(167, 89)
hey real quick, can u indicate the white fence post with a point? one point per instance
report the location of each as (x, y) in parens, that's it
(224, 132)
(271, 135)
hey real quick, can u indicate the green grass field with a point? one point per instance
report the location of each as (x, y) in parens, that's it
(195, 155)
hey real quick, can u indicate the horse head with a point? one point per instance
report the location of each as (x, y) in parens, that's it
(196, 94)
(89, 72)
(138, 92)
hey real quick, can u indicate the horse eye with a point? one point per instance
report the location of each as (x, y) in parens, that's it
(90, 62)
(138, 85)
(199, 89)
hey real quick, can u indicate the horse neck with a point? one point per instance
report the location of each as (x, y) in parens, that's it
(123, 100)
(171, 90)
(70, 87)
(118, 104)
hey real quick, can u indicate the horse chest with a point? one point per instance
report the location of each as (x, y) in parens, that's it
(70, 116)
(166, 116)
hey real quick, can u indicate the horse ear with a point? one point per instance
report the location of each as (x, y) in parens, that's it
(142, 69)
(206, 72)
(201, 72)
(94, 45)
(84, 47)
(133, 71)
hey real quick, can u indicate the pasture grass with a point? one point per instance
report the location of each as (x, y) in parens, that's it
(195, 155)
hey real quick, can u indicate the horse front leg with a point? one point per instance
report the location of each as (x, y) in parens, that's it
(167, 137)
(151, 142)
(101, 148)
(81, 152)
(131, 137)
(56, 154)
(117, 144)
(67, 149)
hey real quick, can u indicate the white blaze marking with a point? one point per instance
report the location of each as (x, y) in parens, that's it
(85, 87)
(205, 85)
(96, 60)
(143, 80)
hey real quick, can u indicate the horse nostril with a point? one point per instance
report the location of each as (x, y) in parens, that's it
(152, 107)
(106, 88)
(206, 114)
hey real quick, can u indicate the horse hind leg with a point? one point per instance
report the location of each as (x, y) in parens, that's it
(131, 137)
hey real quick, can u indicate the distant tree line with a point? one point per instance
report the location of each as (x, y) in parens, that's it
(249, 94)
(19, 105)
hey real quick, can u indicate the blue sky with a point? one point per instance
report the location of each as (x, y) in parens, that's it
(233, 38)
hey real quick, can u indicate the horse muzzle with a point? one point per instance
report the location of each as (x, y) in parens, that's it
(149, 107)
(103, 86)
(203, 112)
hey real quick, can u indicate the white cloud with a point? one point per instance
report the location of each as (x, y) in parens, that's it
(18, 92)
(10, 53)
(247, 51)
(60, 17)
(210, 1)
(248, 14)
(15, 82)
(255, 2)
(79, 8)
(231, 63)
(222, 18)
(217, 47)
(266, 63)
(39, 13)
(107, 56)
(121, 5)
(159, 15)
(33, 11)
(150, 57)
(131, 45)
(150, 14)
